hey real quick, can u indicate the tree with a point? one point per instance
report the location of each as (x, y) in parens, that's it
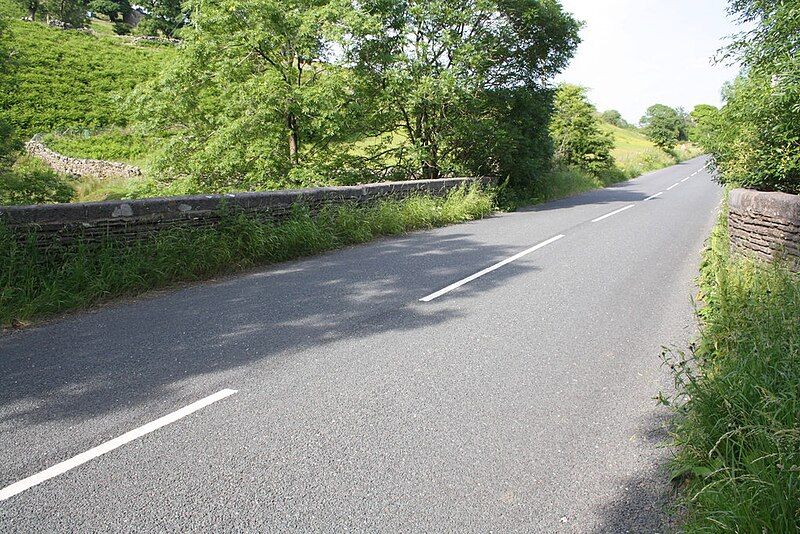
(72, 12)
(614, 117)
(113, 9)
(757, 139)
(662, 125)
(436, 64)
(705, 122)
(165, 16)
(576, 132)
(32, 7)
(253, 96)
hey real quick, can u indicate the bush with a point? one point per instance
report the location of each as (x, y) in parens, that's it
(122, 28)
(738, 400)
(30, 181)
(577, 135)
(755, 140)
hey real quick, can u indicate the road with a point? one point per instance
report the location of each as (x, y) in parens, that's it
(521, 400)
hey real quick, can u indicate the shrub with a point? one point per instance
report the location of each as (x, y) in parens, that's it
(577, 136)
(738, 400)
(756, 139)
(30, 181)
(122, 28)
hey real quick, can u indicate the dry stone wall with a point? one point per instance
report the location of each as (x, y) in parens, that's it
(766, 225)
(80, 167)
(139, 219)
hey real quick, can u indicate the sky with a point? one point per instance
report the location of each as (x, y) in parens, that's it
(635, 53)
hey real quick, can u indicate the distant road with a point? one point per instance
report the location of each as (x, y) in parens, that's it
(497, 375)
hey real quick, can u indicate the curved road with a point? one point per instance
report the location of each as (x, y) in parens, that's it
(324, 395)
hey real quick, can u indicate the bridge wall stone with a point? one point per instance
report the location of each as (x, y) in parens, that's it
(765, 225)
(132, 220)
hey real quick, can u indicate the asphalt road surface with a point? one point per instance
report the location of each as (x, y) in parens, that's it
(325, 395)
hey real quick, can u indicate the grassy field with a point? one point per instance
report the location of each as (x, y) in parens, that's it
(738, 399)
(636, 155)
(70, 80)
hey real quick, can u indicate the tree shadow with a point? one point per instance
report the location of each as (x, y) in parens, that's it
(647, 502)
(118, 357)
(606, 195)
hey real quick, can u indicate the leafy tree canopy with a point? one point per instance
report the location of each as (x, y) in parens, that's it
(113, 9)
(662, 125)
(576, 131)
(268, 88)
(436, 62)
(165, 17)
(614, 117)
(756, 142)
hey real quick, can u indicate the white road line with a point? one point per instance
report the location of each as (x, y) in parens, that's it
(686, 178)
(506, 261)
(651, 197)
(629, 206)
(676, 184)
(82, 458)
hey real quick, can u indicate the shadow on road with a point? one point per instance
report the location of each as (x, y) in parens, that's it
(648, 497)
(95, 363)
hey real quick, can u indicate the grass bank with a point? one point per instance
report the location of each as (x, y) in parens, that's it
(60, 80)
(36, 283)
(738, 398)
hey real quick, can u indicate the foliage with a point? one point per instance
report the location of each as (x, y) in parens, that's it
(757, 139)
(65, 79)
(433, 65)
(72, 12)
(577, 135)
(32, 7)
(35, 282)
(662, 125)
(113, 9)
(705, 123)
(738, 401)
(614, 118)
(165, 17)
(510, 142)
(125, 145)
(30, 181)
(122, 28)
(252, 96)
(9, 141)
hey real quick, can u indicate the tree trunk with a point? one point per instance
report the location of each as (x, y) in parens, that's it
(32, 10)
(294, 138)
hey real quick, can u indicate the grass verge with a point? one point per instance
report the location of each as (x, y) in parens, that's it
(36, 283)
(738, 398)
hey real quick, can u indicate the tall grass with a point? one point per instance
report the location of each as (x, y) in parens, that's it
(35, 282)
(738, 398)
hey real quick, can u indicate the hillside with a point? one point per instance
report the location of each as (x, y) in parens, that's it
(69, 80)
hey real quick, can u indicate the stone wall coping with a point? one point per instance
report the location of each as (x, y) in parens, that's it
(84, 212)
(773, 204)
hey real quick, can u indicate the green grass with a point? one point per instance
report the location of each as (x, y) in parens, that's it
(36, 283)
(111, 144)
(70, 80)
(636, 155)
(738, 398)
